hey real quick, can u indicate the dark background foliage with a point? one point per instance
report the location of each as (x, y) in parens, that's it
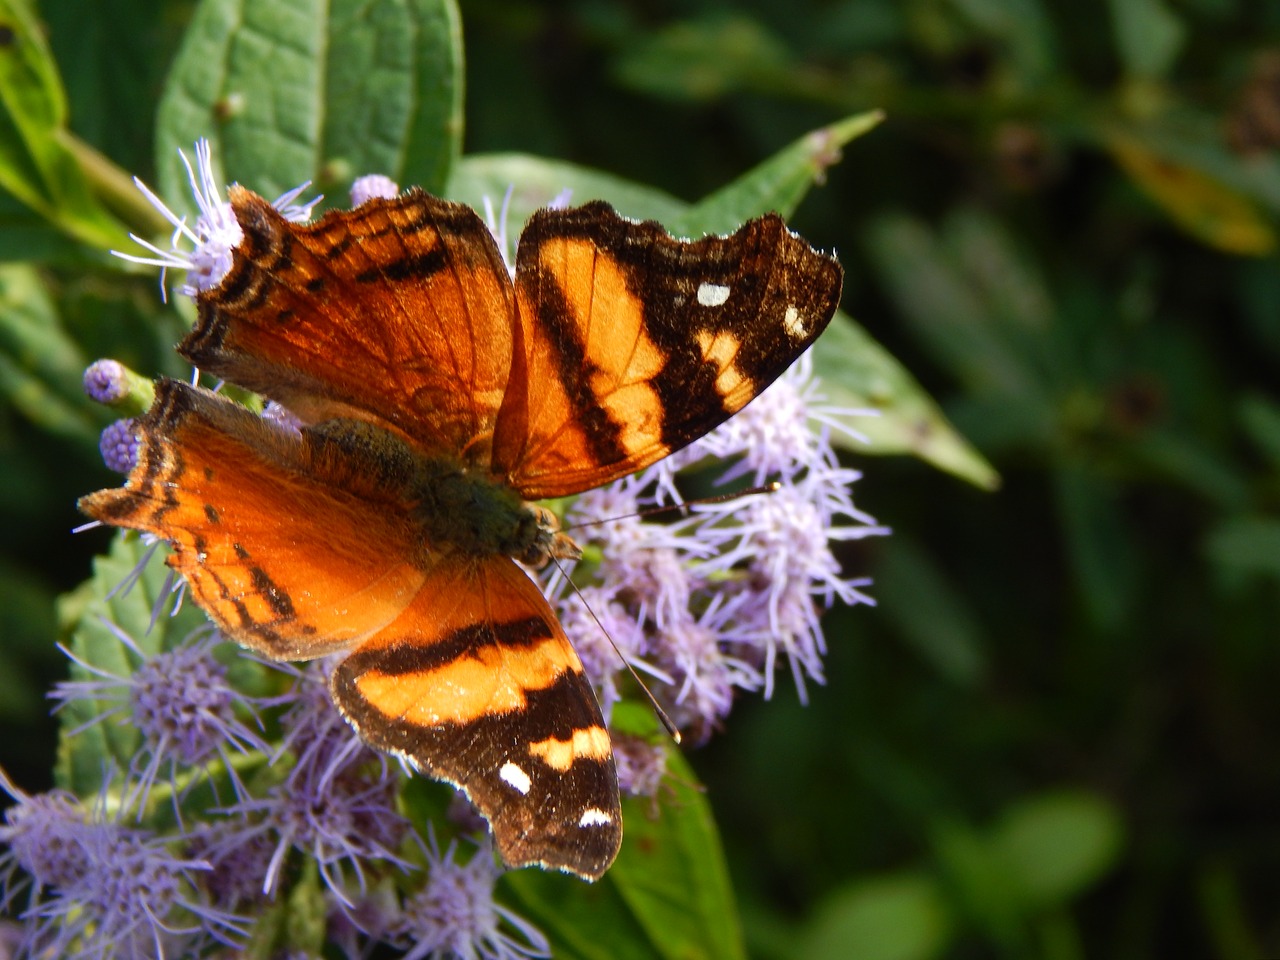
(1066, 230)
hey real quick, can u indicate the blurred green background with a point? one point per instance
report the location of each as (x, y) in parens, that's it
(1057, 734)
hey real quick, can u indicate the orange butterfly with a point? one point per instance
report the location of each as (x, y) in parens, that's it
(438, 398)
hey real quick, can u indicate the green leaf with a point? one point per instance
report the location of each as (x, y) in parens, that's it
(1260, 417)
(899, 917)
(36, 164)
(981, 881)
(1099, 544)
(1057, 844)
(667, 895)
(707, 58)
(1148, 36)
(933, 616)
(672, 873)
(534, 182)
(1243, 548)
(1039, 854)
(290, 90)
(41, 367)
(82, 750)
(859, 374)
(778, 184)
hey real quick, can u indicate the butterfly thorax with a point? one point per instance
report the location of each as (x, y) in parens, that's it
(455, 505)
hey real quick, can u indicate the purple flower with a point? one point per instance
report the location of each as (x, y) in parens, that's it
(775, 435)
(373, 185)
(119, 445)
(182, 703)
(717, 597)
(455, 915)
(593, 618)
(641, 765)
(216, 233)
(106, 381)
(103, 889)
(281, 416)
(336, 806)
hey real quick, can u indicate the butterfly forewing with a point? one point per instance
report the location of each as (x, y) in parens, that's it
(636, 344)
(399, 311)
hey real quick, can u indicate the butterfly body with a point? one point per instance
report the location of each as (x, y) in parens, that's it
(456, 508)
(438, 396)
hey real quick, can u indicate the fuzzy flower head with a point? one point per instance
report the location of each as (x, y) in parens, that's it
(727, 591)
(106, 381)
(214, 236)
(337, 805)
(455, 914)
(180, 700)
(103, 889)
(373, 186)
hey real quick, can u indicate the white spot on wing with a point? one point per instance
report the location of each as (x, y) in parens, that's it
(515, 777)
(795, 324)
(712, 294)
(594, 817)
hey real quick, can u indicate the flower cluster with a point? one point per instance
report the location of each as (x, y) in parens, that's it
(232, 800)
(709, 602)
(97, 887)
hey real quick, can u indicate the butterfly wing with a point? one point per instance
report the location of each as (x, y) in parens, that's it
(277, 545)
(399, 312)
(298, 545)
(633, 344)
(479, 686)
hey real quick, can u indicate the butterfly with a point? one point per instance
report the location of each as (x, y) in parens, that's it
(439, 397)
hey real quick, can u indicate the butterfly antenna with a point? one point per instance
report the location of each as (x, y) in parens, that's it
(661, 714)
(773, 486)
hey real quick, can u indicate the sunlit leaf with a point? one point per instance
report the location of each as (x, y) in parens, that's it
(777, 184)
(40, 364)
(859, 374)
(291, 90)
(36, 164)
(534, 182)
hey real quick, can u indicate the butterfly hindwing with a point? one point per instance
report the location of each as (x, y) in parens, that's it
(479, 686)
(635, 343)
